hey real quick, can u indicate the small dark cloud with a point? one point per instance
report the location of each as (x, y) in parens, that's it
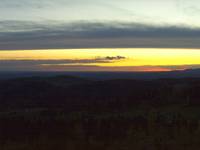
(115, 58)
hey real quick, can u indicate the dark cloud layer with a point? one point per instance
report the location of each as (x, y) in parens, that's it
(47, 35)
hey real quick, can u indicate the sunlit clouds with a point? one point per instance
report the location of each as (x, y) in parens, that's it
(132, 59)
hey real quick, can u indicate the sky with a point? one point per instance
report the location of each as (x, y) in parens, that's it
(104, 59)
(104, 35)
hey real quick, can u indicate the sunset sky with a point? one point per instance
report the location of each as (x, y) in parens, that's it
(99, 35)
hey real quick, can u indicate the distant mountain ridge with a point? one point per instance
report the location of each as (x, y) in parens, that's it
(106, 75)
(79, 93)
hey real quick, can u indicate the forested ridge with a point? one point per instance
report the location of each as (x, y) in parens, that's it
(75, 113)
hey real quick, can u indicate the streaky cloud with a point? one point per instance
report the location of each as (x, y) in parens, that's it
(47, 35)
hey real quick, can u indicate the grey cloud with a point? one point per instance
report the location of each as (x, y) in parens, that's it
(80, 65)
(44, 64)
(95, 29)
(107, 59)
(52, 62)
(28, 3)
(47, 35)
(43, 4)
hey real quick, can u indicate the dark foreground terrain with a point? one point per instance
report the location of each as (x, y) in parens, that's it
(73, 113)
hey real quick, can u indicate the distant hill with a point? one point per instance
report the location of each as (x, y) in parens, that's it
(57, 80)
(79, 93)
(106, 75)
